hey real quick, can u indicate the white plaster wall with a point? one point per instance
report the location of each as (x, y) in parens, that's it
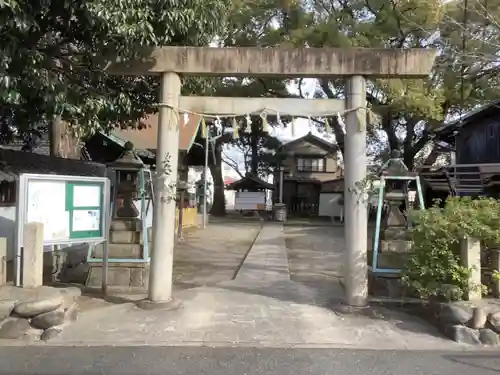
(229, 195)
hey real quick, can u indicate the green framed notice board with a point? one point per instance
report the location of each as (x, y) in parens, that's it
(84, 203)
(73, 209)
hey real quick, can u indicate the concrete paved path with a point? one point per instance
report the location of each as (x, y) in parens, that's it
(260, 307)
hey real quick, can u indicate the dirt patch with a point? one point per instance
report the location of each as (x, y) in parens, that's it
(212, 255)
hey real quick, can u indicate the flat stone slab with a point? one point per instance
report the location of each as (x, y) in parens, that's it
(267, 261)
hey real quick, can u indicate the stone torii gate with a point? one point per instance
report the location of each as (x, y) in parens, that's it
(354, 64)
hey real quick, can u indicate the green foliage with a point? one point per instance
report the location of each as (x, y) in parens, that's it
(435, 265)
(52, 51)
(464, 75)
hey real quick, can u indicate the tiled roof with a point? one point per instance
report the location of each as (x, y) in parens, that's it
(42, 148)
(146, 138)
(13, 163)
(250, 180)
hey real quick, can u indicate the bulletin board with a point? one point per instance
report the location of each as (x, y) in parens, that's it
(73, 209)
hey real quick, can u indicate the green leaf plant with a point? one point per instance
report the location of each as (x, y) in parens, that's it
(434, 268)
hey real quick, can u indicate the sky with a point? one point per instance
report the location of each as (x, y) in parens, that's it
(301, 127)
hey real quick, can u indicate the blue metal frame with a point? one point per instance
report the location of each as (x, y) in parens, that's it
(143, 212)
(376, 238)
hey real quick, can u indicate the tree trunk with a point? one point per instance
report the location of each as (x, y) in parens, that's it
(219, 203)
(254, 162)
(63, 144)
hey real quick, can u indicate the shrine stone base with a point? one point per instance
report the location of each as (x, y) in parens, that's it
(126, 243)
(121, 276)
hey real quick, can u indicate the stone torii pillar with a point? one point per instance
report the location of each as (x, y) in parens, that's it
(355, 64)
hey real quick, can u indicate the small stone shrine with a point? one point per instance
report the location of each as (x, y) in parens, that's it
(127, 250)
(394, 228)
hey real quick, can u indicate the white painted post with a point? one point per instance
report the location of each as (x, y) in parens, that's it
(32, 258)
(470, 256)
(160, 278)
(356, 268)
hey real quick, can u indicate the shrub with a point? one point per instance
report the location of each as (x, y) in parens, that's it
(434, 268)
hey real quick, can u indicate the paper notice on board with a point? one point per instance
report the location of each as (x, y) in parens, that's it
(86, 220)
(46, 204)
(86, 196)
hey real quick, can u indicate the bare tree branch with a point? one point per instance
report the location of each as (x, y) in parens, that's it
(231, 163)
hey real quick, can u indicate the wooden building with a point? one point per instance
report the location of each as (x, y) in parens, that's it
(473, 142)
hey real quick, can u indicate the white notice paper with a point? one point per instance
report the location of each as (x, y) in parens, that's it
(84, 220)
(86, 196)
(45, 204)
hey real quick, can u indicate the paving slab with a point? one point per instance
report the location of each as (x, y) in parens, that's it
(271, 311)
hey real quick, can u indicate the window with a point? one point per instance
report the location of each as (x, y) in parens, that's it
(311, 165)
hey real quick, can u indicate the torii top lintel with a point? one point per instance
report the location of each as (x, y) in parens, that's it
(277, 62)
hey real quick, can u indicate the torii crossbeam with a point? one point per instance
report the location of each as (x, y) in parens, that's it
(353, 63)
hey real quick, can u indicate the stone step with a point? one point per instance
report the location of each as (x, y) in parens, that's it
(127, 251)
(394, 233)
(126, 224)
(121, 276)
(392, 260)
(395, 246)
(128, 236)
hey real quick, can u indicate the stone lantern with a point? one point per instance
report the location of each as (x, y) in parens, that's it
(397, 191)
(128, 170)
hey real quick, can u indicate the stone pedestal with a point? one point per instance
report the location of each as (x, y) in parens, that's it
(126, 242)
(32, 260)
(394, 238)
(280, 212)
(470, 257)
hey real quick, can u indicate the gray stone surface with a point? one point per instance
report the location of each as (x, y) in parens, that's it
(267, 262)
(49, 319)
(14, 328)
(264, 308)
(205, 257)
(50, 333)
(478, 319)
(463, 334)
(6, 307)
(71, 313)
(36, 307)
(453, 314)
(488, 337)
(315, 258)
(494, 320)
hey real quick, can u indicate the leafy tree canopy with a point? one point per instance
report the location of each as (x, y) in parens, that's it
(50, 52)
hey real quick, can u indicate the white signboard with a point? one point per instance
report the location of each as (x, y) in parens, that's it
(44, 205)
(86, 220)
(72, 209)
(86, 196)
(250, 200)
